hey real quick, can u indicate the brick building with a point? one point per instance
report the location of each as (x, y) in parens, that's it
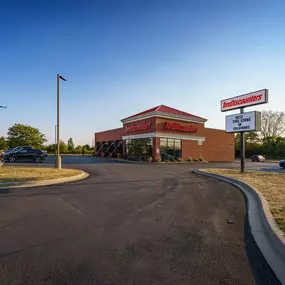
(166, 133)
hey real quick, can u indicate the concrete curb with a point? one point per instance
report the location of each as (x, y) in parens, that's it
(267, 235)
(27, 184)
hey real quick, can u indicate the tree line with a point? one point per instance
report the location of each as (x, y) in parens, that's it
(25, 135)
(270, 141)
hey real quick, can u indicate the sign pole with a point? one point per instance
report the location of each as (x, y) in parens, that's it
(242, 148)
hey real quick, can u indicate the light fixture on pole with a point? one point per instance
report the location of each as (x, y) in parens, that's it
(58, 158)
(3, 107)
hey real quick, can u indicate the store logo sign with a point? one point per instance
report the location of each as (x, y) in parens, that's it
(137, 127)
(180, 128)
(246, 100)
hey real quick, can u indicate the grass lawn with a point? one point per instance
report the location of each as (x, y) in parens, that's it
(271, 185)
(21, 174)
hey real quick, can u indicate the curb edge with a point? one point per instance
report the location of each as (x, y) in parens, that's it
(17, 185)
(267, 235)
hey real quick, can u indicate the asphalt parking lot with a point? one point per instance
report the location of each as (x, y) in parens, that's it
(129, 224)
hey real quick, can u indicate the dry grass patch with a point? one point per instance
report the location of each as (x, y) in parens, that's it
(271, 185)
(22, 174)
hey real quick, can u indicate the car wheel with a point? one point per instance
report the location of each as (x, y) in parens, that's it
(12, 159)
(37, 159)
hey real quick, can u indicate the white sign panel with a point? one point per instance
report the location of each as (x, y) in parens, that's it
(246, 100)
(244, 122)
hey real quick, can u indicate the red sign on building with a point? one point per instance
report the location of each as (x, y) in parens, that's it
(137, 127)
(180, 127)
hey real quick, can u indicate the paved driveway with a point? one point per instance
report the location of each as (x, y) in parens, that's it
(129, 224)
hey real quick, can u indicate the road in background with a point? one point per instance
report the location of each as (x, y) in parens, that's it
(78, 160)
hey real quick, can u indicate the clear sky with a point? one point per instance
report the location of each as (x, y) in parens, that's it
(122, 57)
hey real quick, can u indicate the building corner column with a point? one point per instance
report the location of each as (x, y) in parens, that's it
(124, 149)
(156, 149)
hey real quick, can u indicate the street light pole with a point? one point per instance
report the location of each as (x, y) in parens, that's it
(55, 140)
(3, 107)
(58, 158)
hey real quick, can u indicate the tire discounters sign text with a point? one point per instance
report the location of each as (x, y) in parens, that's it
(244, 122)
(180, 127)
(137, 127)
(246, 100)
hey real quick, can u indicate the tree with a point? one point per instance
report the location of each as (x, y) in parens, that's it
(249, 138)
(70, 145)
(78, 149)
(272, 124)
(62, 147)
(3, 143)
(87, 147)
(21, 135)
(51, 148)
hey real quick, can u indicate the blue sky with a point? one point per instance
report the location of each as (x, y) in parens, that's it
(122, 57)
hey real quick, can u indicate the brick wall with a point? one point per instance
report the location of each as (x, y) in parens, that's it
(111, 135)
(191, 149)
(219, 145)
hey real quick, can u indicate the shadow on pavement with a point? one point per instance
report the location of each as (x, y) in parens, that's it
(263, 273)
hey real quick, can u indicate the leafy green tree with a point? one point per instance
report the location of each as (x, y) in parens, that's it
(87, 147)
(51, 148)
(62, 147)
(70, 145)
(21, 135)
(3, 143)
(78, 149)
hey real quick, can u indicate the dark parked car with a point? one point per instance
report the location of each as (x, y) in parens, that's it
(16, 149)
(45, 153)
(24, 154)
(257, 158)
(282, 163)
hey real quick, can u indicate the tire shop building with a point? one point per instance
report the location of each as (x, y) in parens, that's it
(165, 133)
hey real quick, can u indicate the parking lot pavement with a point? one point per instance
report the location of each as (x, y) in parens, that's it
(266, 166)
(66, 160)
(129, 224)
(79, 160)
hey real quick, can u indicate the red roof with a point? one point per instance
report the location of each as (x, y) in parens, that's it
(166, 110)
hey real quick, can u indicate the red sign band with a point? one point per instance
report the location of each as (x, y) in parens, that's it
(180, 127)
(138, 127)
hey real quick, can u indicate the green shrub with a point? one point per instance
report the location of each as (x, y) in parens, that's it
(179, 159)
(190, 159)
(149, 159)
(196, 159)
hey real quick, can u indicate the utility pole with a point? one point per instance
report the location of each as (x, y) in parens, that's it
(242, 148)
(58, 158)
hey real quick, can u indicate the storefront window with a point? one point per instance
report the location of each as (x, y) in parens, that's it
(139, 149)
(170, 149)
